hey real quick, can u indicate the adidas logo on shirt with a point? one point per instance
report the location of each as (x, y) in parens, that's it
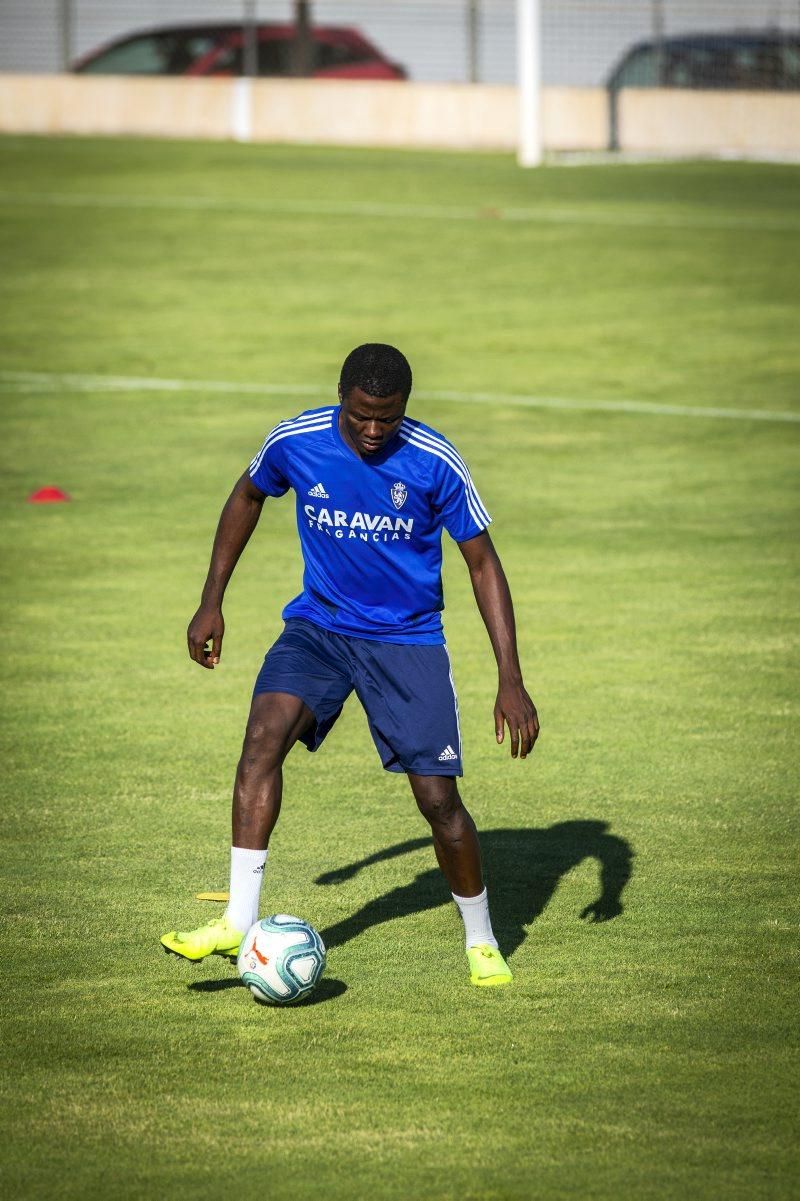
(447, 754)
(318, 490)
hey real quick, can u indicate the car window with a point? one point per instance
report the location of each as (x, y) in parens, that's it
(184, 49)
(746, 67)
(753, 65)
(750, 66)
(140, 56)
(760, 66)
(687, 67)
(274, 56)
(791, 66)
(227, 61)
(331, 54)
(640, 70)
(153, 54)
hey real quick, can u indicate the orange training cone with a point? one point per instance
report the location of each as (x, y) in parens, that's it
(48, 496)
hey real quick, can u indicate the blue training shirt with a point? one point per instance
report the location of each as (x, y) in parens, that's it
(371, 529)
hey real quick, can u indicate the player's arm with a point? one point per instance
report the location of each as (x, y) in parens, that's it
(513, 706)
(237, 521)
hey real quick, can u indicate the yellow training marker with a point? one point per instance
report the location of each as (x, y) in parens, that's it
(212, 896)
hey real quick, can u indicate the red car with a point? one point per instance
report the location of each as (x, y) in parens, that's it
(333, 52)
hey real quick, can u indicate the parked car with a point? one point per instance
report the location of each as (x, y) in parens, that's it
(334, 52)
(758, 61)
(750, 61)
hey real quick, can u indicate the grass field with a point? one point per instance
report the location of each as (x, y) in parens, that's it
(652, 556)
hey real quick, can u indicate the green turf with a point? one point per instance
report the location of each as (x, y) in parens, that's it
(652, 560)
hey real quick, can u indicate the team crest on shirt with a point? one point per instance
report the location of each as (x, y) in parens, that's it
(399, 494)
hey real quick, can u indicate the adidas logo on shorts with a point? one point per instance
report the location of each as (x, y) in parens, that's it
(318, 490)
(447, 754)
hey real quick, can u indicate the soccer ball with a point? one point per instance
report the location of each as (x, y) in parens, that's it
(281, 959)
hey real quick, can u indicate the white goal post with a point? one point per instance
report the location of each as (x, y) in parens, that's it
(529, 82)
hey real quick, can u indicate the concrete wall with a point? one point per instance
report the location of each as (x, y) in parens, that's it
(450, 116)
(385, 114)
(687, 122)
(115, 104)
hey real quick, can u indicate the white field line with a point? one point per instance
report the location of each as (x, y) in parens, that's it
(45, 381)
(586, 215)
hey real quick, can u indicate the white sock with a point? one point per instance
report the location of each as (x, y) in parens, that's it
(477, 923)
(247, 872)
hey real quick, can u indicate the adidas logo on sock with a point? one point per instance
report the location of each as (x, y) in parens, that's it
(447, 753)
(318, 490)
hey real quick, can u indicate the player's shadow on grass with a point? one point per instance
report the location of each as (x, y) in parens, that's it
(523, 868)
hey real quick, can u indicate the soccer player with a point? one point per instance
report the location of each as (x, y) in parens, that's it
(374, 489)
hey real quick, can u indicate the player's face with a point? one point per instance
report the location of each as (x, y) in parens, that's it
(369, 422)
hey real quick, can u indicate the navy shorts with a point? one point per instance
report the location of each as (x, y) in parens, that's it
(407, 693)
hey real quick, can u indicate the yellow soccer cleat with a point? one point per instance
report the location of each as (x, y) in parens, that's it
(487, 967)
(217, 938)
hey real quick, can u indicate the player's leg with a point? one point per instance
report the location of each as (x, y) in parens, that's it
(455, 841)
(298, 695)
(410, 699)
(275, 723)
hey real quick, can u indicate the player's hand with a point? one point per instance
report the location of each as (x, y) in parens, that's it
(204, 636)
(515, 709)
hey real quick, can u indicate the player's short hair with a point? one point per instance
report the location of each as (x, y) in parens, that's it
(377, 369)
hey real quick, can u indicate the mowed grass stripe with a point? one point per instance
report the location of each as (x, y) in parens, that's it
(39, 381)
(622, 215)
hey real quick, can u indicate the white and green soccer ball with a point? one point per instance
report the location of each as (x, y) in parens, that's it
(281, 959)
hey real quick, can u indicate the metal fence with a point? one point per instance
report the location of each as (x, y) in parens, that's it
(435, 40)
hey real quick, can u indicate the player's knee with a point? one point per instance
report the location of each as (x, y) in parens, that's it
(439, 801)
(266, 743)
